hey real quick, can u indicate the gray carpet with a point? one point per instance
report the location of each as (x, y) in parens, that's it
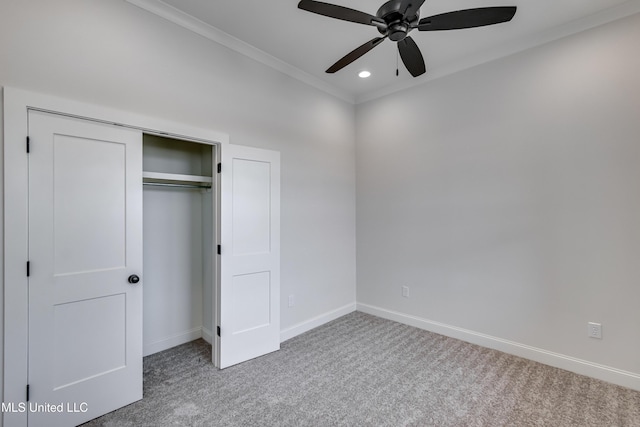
(361, 370)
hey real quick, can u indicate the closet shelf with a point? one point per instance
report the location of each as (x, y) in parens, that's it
(176, 180)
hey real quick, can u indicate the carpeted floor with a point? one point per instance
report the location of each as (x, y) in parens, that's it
(361, 370)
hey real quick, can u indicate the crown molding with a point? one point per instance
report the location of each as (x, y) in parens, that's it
(518, 45)
(165, 11)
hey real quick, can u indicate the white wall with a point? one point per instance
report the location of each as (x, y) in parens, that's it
(507, 197)
(114, 54)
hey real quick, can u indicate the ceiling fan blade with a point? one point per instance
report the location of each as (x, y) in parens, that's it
(467, 18)
(339, 12)
(410, 7)
(355, 54)
(411, 56)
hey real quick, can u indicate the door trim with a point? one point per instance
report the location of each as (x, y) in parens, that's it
(16, 103)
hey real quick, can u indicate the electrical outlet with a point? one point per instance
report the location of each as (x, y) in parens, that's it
(405, 291)
(292, 300)
(595, 330)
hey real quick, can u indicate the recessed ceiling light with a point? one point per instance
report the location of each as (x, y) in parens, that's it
(364, 74)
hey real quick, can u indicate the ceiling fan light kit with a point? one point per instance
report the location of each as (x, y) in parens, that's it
(397, 18)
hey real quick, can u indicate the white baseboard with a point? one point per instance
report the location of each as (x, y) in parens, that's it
(579, 366)
(172, 341)
(207, 335)
(307, 325)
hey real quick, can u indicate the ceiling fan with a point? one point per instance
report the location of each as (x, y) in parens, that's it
(397, 18)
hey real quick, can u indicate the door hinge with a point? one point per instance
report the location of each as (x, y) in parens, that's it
(27, 392)
(28, 145)
(219, 167)
(219, 250)
(218, 330)
(28, 268)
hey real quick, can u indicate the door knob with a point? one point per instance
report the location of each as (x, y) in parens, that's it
(133, 279)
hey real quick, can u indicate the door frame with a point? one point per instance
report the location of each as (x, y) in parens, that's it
(14, 322)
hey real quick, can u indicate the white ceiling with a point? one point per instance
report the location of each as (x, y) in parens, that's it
(307, 43)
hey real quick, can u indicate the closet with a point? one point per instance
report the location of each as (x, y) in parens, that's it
(133, 243)
(178, 242)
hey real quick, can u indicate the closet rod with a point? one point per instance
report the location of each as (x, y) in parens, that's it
(162, 184)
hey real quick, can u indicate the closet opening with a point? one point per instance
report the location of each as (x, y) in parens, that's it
(179, 235)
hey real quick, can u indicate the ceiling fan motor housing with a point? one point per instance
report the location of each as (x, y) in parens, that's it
(397, 18)
(398, 25)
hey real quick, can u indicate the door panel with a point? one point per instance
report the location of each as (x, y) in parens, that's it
(103, 327)
(86, 196)
(250, 257)
(251, 207)
(85, 239)
(251, 296)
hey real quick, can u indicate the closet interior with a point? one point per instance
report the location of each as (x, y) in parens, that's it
(178, 242)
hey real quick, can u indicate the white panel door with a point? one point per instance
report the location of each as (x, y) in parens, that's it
(85, 241)
(250, 254)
